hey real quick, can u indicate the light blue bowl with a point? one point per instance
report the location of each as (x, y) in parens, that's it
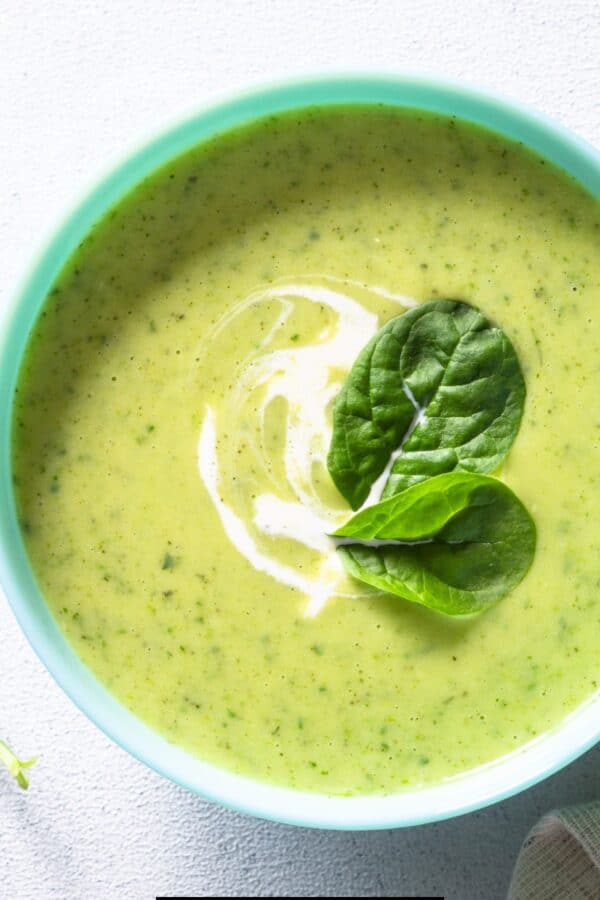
(471, 791)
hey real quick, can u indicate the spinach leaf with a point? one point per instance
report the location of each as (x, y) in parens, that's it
(438, 388)
(456, 543)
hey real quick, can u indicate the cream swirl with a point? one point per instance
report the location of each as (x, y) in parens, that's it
(278, 414)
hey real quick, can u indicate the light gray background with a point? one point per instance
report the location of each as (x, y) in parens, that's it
(80, 83)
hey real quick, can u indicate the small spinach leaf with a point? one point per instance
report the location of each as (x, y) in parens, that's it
(456, 543)
(438, 388)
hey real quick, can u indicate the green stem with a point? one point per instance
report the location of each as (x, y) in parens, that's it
(15, 766)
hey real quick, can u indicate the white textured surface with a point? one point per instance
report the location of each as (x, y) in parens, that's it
(79, 83)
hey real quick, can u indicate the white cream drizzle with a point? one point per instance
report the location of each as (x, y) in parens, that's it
(307, 378)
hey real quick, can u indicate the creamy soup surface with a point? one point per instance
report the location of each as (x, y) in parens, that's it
(172, 422)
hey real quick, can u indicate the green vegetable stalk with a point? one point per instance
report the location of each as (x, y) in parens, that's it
(15, 766)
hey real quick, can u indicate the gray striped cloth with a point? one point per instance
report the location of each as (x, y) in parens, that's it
(560, 860)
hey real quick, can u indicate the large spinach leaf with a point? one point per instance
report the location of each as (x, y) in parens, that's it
(456, 543)
(438, 388)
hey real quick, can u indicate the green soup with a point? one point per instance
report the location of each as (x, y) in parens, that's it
(172, 421)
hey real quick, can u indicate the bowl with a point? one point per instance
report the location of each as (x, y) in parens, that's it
(461, 794)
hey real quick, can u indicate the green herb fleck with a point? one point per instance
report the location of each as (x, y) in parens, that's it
(168, 561)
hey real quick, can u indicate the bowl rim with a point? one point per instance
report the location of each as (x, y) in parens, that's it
(469, 791)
